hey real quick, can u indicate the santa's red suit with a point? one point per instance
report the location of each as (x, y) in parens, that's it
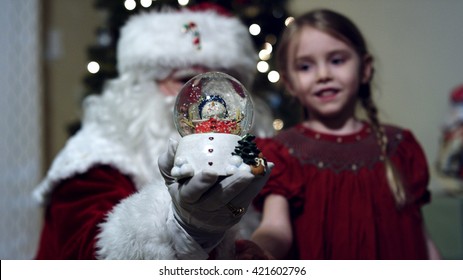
(104, 196)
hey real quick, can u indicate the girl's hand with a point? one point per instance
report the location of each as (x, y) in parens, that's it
(248, 250)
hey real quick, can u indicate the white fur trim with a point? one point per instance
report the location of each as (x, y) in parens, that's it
(84, 150)
(142, 226)
(139, 227)
(154, 44)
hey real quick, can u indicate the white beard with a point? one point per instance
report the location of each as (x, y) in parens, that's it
(140, 117)
(156, 135)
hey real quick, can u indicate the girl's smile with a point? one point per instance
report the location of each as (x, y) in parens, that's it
(327, 94)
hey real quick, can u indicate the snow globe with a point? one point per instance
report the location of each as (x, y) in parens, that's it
(213, 113)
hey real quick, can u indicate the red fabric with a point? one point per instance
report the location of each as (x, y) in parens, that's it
(347, 211)
(77, 206)
(456, 96)
(209, 6)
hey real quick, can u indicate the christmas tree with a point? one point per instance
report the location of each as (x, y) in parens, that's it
(268, 16)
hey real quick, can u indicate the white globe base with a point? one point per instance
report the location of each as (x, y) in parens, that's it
(207, 152)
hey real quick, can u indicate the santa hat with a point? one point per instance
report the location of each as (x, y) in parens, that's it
(456, 96)
(155, 43)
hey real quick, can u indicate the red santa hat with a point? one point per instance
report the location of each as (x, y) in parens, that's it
(155, 43)
(456, 96)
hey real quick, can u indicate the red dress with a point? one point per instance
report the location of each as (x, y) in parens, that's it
(340, 203)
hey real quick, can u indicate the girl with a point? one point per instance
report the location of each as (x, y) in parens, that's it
(335, 191)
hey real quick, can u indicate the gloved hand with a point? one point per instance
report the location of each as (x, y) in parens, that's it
(207, 203)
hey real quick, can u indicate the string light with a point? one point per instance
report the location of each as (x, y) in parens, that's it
(264, 54)
(93, 67)
(254, 29)
(262, 66)
(273, 76)
(130, 4)
(278, 124)
(268, 47)
(183, 2)
(146, 3)
(271, 39)
(288, 20)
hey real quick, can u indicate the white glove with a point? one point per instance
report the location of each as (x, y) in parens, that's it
(207, 204)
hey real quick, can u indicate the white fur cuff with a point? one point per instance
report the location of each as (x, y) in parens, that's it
(141, 227)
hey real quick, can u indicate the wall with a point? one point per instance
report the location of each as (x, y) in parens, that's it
(41, 88)
(417, 49)
(70, 28)
(20, 126)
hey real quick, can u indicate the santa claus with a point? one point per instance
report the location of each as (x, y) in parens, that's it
(105, 195)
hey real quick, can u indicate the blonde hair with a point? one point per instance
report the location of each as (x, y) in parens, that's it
(345, 30)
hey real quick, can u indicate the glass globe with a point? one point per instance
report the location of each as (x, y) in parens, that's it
(213, 102)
